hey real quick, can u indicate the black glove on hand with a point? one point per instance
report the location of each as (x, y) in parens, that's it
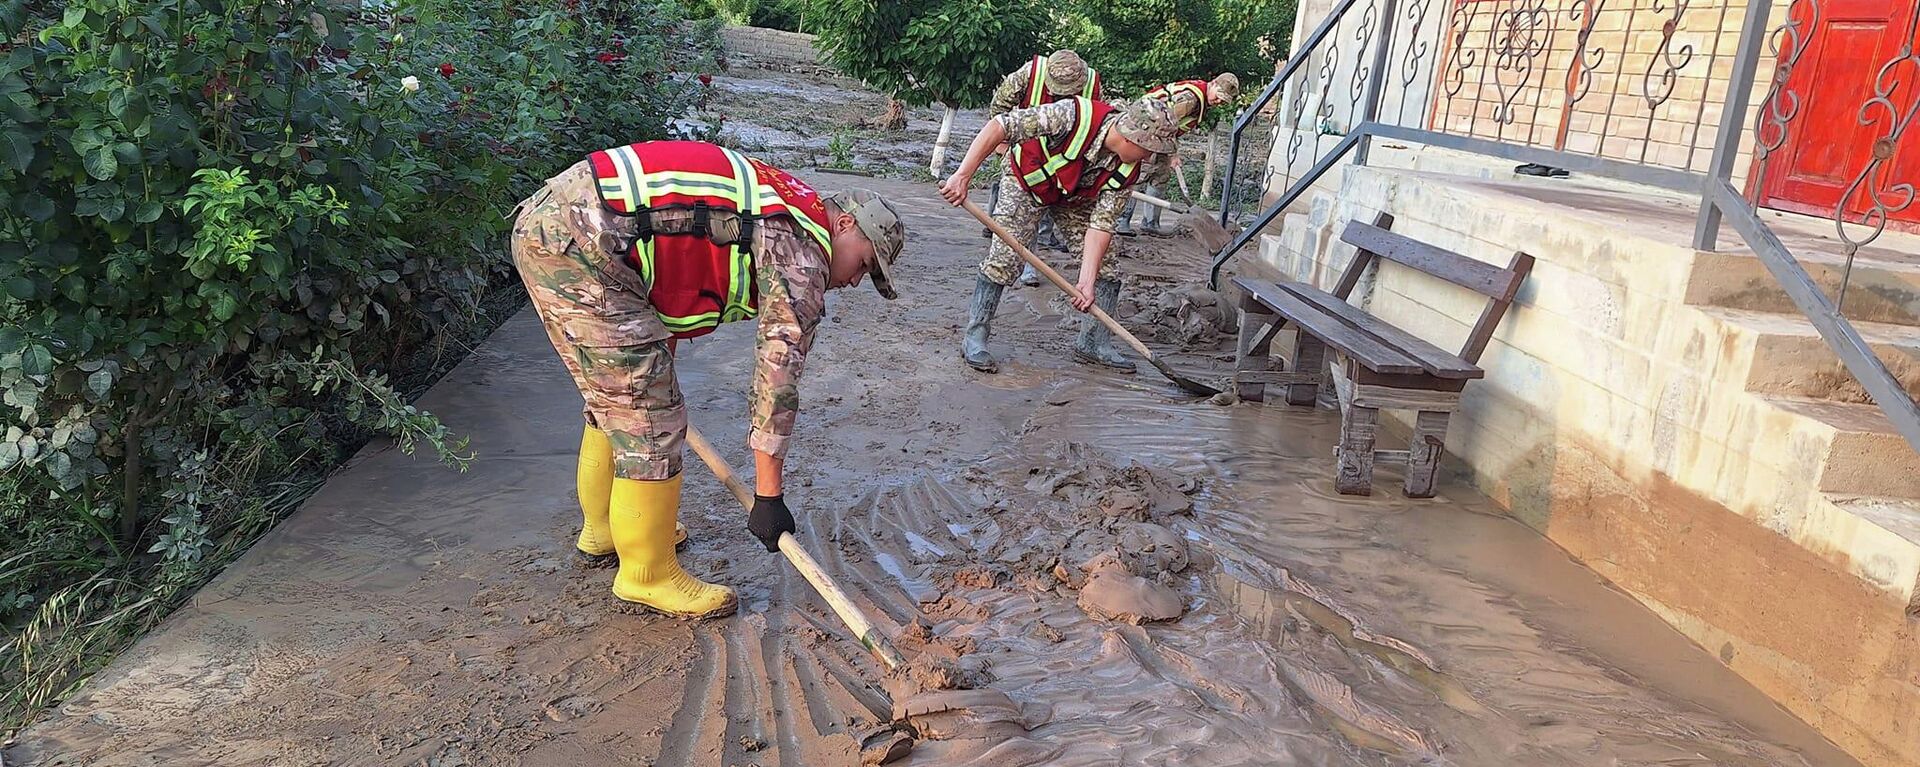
(769, 519)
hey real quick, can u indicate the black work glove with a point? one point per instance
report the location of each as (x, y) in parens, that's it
(769, 519)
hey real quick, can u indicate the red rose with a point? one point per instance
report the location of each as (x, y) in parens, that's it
(609, 58)
(706, 79)
(446, 70)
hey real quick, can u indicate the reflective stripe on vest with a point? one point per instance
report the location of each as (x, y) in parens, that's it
(1051, 161)
(1053, 177)
(1037, 84)
(1167, 92)
(628, 186)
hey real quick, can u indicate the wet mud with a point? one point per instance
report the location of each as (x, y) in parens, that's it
(1085, 568)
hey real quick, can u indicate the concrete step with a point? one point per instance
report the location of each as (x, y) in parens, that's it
(1788, 357)
(1879, 290)
(1833, 477)
(1878, 536)
(1863, 454)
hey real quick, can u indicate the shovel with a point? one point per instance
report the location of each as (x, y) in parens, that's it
(891, 741)
(1190, 385)
(842, 605)
(1206, 230)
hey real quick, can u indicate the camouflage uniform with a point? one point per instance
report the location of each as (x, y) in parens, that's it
(596, 314)
(1016, 210)
(1011, 94)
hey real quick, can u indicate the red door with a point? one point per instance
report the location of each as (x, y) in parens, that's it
(1830, 141)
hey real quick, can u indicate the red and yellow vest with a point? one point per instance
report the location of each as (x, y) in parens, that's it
(694, 283)
(1056, 171)
(1196, 87)
(1037, 84)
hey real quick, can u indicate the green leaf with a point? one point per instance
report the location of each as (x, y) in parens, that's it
(37, 361)
(20, 287)
(75, 16)
(148, 212)
(99, 383)
(17, 149)
(12, 340)
(38, 207)
(123, 57)
(224, 306)
(101, 163)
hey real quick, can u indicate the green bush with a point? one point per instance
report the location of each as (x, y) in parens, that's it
(234, 236)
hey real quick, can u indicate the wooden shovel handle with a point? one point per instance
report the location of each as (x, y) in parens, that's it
(842, 605)
(1054, 277)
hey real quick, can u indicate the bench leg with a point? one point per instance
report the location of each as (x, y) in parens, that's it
(1251, 350)
(1423, 455)
(1309, 357)
(1353, 470)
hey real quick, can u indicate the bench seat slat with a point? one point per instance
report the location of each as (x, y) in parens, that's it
(1433, 360)
(1363, 347)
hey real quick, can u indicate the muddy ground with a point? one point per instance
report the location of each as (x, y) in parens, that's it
(1010, 529)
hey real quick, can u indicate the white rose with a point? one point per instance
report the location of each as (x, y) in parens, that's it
(410, 83)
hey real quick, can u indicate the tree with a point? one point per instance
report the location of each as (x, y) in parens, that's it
(930, 51)
(1139, 44)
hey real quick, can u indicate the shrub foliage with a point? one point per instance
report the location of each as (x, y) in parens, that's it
(235, 235)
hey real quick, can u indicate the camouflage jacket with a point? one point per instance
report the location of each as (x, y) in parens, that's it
(790, 271)
(1055, 121)
(1012, 91)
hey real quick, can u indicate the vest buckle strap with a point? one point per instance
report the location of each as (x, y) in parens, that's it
(702, 219)
(643, 226)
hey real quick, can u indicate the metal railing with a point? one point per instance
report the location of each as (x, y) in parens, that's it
(1648, 93)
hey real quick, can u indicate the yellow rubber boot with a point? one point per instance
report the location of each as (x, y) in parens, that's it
(593, 481)
(643, 514)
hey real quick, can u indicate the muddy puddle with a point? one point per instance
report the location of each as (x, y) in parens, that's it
(1310, 631)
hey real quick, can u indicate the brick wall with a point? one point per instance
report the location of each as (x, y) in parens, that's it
(1516, 71)
(771, 46)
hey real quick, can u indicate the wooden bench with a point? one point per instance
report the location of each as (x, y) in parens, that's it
(1380, 366)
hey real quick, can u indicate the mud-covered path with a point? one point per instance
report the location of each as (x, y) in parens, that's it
(411, 615)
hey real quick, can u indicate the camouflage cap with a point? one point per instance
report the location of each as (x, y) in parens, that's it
(882, 227)
(1148, 123)
(1066, 73)
(1227, 84)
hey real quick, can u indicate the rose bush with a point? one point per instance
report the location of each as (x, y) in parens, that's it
(234, 237)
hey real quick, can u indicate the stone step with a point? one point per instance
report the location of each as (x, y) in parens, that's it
(1878, 536)
(1879, 290)
(1788, 357)
(1834, 478)
(1863, 454)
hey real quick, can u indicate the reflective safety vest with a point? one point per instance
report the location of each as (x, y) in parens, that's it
(1037, 84)
(1196, 87)
(1056, 171)
(693, 282)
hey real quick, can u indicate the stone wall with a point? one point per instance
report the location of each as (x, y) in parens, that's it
(770, 46)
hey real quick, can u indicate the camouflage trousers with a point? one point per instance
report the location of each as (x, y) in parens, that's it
(596, 313)
(1016, 210)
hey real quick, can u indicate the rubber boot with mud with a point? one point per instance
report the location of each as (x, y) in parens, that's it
(642, 517)
(1095, 344)
(593, 482)
(973, 345)
(1029, 277)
